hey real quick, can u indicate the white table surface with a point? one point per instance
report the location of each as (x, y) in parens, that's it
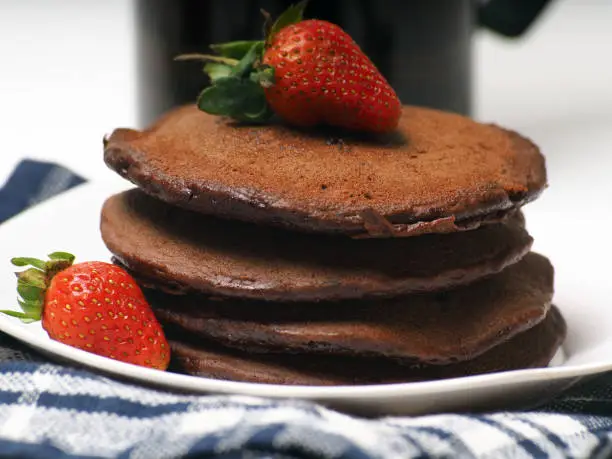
(68, 77)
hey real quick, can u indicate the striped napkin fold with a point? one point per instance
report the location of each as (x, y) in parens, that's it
(55, 411)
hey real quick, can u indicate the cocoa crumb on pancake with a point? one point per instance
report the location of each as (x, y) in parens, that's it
(441, 173)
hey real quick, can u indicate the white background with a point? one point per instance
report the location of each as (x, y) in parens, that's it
(67, 77)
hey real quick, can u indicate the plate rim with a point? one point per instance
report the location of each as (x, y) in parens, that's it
(200, 384)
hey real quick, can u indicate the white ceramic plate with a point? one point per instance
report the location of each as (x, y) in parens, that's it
(583, 278)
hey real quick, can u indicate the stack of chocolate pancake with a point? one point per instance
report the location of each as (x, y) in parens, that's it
(276, 255)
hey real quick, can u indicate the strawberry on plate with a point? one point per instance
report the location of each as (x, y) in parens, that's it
(309, 72)
(93, 306)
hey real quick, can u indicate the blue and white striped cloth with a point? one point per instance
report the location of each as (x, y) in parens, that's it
(51, 411)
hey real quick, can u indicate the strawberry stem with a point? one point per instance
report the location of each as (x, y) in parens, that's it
(237, 76)
(25, 261)
(31, 308)
(32, 277)
(245, 66)
(54, 267)
(267, 25)
(25, 317)
(29, 292)
(206, 58)
(33, 282)
(65, 256)
(238, 98)
(292, 15)
(234, 49)
(215, 70)
(264, 76)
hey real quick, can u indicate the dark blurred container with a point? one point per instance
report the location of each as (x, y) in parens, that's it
(423, 47)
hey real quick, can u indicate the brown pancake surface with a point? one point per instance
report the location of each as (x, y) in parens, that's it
(188, 251)
(438, 328)
(439, 173)
(532, 348)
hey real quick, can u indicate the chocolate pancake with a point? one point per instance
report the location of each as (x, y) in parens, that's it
(436, 328)
(532, 348)
(439, 173)
(183, 251)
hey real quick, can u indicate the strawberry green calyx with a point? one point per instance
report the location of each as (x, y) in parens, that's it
(33, 282)
(235, 50)
(292, 15)
(237, 75)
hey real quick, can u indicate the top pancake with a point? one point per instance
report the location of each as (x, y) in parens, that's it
(439, 173)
